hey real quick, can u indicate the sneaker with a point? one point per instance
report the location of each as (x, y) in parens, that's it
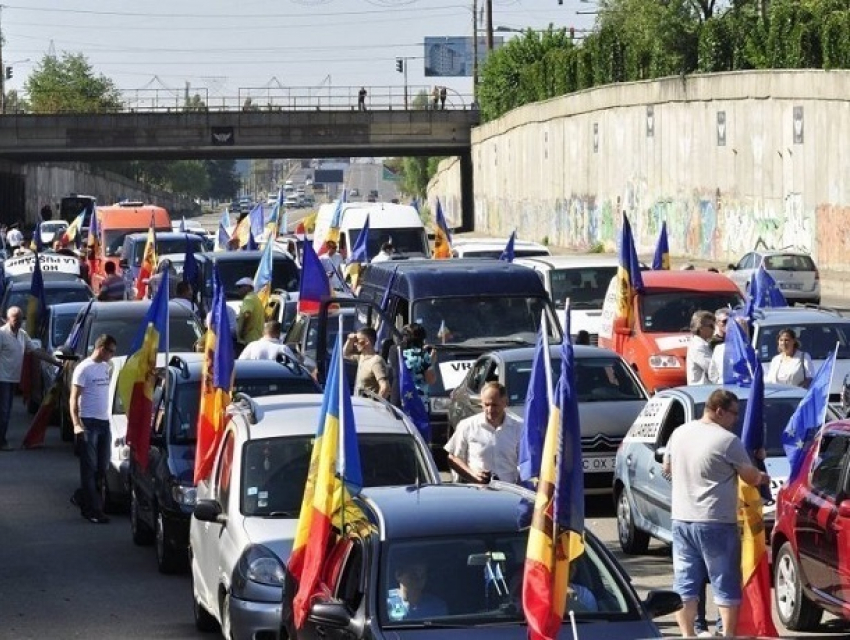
(705, 633)
(98, 519)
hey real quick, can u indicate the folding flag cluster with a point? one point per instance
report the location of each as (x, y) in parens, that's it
(442, 235)
(334, 478)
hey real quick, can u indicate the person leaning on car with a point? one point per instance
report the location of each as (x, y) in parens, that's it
(704, 508)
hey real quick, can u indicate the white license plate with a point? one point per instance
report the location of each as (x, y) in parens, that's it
(790, 286)
(598, 465)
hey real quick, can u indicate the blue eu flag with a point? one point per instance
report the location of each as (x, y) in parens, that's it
(411, 401)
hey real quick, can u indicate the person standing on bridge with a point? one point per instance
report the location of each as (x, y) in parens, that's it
(435, 97)
(361, 99)
(443, 98)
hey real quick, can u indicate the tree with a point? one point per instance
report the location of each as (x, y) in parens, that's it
(70, 85)
(223, 181)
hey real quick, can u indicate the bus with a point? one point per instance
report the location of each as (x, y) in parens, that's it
(70, 207)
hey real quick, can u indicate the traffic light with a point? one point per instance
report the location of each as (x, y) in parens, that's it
(8, 73)
(399, 65)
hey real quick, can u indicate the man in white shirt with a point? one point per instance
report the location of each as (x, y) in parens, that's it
(183, 297)
(386, 253)
(487, 444)
(698, 360)
(333, 264)
(14, 343)
(14, 238)
(269, 346)
(90, 412)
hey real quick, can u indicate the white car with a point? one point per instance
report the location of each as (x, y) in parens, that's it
(493, 248)
(584, 280)
(192, 226)
(52, 230)
(795, 273)
(246, 516)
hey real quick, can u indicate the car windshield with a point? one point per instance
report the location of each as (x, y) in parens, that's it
(671, 311)
(61, 328)
(274, 470)
(20, 297)
(472, 252)
(284, 274)
(585, 287)
(53, 227)
(405, 240)
(476, 579)
(183, 332)
(789, 262)
(482, 320)
(597, 380)
(818, 340)
(114, 240)
(166, 245)
(187, 400)
(332, 330)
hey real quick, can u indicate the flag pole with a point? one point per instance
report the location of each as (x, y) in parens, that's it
(829, 385)
(166, 278)
(547, 359)
(340, 405)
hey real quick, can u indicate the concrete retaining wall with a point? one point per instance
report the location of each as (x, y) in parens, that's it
(730, 161)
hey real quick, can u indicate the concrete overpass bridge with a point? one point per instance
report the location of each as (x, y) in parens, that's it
(288, 126)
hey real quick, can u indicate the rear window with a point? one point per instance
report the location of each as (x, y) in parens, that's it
(818, 340)
(285, 274)
(183, 333)
(585, 287)
(20, 298)
(789, 263)
(405, 240)
(163, 247)
(671, 311)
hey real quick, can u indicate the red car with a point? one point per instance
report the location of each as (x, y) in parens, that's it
(811, 538)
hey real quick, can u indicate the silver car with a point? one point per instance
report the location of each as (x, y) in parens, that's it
(795, 273)
(643, 495)
(610, 397)
(246, 515)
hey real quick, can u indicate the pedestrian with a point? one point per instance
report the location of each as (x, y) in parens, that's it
(184, 297)
(715, 369)
(269, 346)
(252, 315)
(90, 411)
(372, 370)
(698, 359)
(442, 98)
(583, 337)
(704, 508)
(435, 96)
(792, 365)
(14, 238)
(113, 287)
(721, 317)
(486, 445)
(46, 212)
(333, 264)
(419, 358)
(14, 343)
(386, 253)
(361, 99)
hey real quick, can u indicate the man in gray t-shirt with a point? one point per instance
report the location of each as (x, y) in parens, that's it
(705, 460)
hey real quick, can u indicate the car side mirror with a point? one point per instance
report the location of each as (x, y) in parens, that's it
(209, 511)
(330, 614)
(844, 509)
(660, 602)
(65, 354)
(659, 454)
(731, 267)
(621, 327)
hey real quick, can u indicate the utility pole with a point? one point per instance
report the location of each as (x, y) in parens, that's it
(2, 68)
(489, 26)
(475, 50)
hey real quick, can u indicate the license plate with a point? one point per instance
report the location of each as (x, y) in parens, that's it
(790, 286)
(598, 465)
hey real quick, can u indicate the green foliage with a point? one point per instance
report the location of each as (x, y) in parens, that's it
(645, 39)
(69, 85)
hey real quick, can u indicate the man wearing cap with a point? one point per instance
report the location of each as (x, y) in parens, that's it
(252, 315)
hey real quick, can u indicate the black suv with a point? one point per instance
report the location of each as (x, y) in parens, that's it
(162, 496)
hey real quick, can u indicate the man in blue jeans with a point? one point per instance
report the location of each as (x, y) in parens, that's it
(704, 459)
(90, 415)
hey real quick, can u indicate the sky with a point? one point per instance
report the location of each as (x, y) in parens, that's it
(223, 48)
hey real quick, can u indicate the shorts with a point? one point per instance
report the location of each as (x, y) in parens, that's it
(707, 549)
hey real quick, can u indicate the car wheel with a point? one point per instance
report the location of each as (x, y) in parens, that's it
(795, 610)
(168, 559)
(204, 620)
(632, 540)
(225, 617)
(142, 534)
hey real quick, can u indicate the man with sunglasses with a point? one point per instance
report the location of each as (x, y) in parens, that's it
(90, 413)
(721, 317)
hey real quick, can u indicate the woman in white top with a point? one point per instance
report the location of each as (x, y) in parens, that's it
(792, 366)
(698, 358)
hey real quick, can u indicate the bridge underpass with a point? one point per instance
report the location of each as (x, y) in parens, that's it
(28, 138)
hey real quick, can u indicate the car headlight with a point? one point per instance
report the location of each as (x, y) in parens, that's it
(664, 362)
(440, 405)
(184, 495)
(257, 565)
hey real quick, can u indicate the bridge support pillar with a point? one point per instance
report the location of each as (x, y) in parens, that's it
(467, 193)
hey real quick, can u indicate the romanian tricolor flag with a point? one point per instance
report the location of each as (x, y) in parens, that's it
(73, 232)
(661, 259)
(333, 480)
(93, 240)
(273, 226)
(336, 221)
(216, 383)
(754, 617)
(314, 281)
(37, 244)
(628, 274)
(263, 277)
(37, 304)
(556, 537)
(442, 235)
(148, 263)
(136, 378)
(252, 224)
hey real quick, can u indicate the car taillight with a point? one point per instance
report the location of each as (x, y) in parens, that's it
(817, 275)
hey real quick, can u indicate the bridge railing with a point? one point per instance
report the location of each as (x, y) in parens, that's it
(379, 98)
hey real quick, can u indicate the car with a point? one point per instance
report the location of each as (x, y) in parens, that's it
(162, 494)
(354, 193)
(493, 248)
(795, 273)
(472, 567)
(167, 242)
(58, 288)
(610, 397)
(811, 538)
(817, 330)
(52, 230)
(190, 226)
(247, 512)
(303, 335)
(583, 280)
(123, 321)
(643, 495)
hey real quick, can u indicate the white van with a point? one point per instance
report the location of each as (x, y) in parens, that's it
(396, 223)
(583, 279)
(493, 248)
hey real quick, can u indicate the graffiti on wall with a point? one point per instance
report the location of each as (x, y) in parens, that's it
(833, 236)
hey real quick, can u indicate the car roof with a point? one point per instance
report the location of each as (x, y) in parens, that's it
(699, 393)
(66, 308)
(425, 278)
(240, 256)
(162, 235)
(133, 309)
(563, 262)
(782, 253)
(302, 416)
(494, 243)
(689, 280)
(797, 315)
(527, 353)
(431, 510)
(242, 369)
(52, 280)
